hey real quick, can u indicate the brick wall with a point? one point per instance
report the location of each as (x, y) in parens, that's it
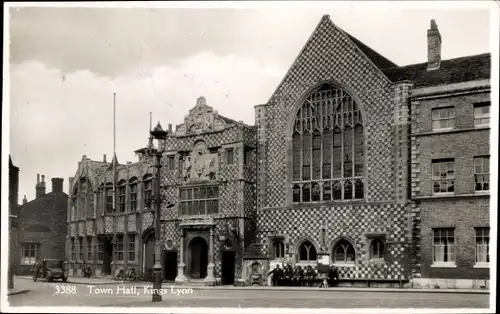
(44, 221)
(463, 215)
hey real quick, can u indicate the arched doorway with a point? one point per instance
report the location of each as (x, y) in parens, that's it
(148, 257)
(198, 258)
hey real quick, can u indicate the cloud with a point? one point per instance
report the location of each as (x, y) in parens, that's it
(56, 118)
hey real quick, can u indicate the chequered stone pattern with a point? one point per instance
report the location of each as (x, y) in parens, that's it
(108, 224)
(170, 194)
(249, 194)
(228, 199)
(147, 220)
(352, 222)
(81, 228)
(119, 224)
(171, 231)
(89, 227)
(132, 223)
(330, 55)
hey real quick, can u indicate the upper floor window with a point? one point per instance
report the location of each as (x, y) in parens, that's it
(109, 199)
(170, 162)
(91, 202)
(247, 158)
(328, 148)
(443, 245)
(343, 252)
(307, 252)
(202, 200)
(443, 176)
(443, 118)
(229, 156)
(482, 245)
(133, 196)
(121, 197)
(482, 114)
(148, 192)
(482, 173)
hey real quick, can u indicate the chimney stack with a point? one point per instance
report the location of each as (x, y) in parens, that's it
(433, 47)
(170, 128)
(104, 158)
(57, 184)
(40, 186)
(70, 180)
(25, 200)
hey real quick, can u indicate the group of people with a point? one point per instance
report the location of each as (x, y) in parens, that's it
(297, 276)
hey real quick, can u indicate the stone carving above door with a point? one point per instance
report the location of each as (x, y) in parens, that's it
(200, 165)
(202, 118)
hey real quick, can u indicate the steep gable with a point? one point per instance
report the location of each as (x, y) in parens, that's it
(330, 48)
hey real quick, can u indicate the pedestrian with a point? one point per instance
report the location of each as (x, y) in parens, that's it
(277, 275)
(310, 275)
(333, 276)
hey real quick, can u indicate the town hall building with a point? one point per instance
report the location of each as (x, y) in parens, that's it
(379, 169)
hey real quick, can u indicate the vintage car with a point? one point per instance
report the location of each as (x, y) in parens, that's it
(50, 269)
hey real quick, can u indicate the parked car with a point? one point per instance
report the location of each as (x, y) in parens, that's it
(50, 269)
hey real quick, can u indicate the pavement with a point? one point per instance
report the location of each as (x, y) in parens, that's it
(97, 281)
(17, 291)
(43, 294)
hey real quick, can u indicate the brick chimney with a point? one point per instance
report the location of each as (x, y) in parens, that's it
(433, 47)
(25, 200)
(70, 180)
(57, 184)
(40, 186)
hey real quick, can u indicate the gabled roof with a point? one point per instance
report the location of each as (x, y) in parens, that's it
(379, 60)
(450, 71)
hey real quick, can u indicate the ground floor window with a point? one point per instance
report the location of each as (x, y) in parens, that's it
(80, 249)
(483, 245)
(100, 250)
(131, 247)
(307, 252)
(29, 253)
(443, 245)
(73, 249)
(343, 252)
(377, 250)
(278, 249)
(89, 248)
(119, 248)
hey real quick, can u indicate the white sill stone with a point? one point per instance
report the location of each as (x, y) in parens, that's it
(444, 265)
(481, 265)
(344, 264)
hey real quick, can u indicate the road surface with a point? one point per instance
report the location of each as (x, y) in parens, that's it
(118, 295)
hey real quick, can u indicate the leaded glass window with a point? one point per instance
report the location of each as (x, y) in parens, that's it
(328, 148)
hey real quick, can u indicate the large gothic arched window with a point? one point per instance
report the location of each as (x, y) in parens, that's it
(328, 148)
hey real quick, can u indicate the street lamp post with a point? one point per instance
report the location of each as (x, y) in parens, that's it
(160, 135)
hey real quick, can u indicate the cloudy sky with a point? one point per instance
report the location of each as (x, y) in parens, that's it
(66, 63)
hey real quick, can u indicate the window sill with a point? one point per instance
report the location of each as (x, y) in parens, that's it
(481, 265)
(444, 265)
(344, 264)
(451, 130)
(438, 196)
(377, 261)
(21, 264)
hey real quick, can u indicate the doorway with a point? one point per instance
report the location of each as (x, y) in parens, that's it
(228, 259)
(170, 265)
(198, 258)
(107, 256)
(148, 256)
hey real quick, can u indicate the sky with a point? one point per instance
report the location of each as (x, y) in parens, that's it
(66, 63)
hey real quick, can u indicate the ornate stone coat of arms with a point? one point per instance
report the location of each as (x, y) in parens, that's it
(200, 165)
(202, 118)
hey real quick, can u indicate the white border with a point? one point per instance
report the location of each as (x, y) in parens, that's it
(406, 5)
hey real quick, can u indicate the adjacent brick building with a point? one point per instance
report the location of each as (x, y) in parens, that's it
(42, 225)
(378, 169)
(13, 222)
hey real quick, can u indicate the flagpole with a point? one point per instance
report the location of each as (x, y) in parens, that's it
(114, 153)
